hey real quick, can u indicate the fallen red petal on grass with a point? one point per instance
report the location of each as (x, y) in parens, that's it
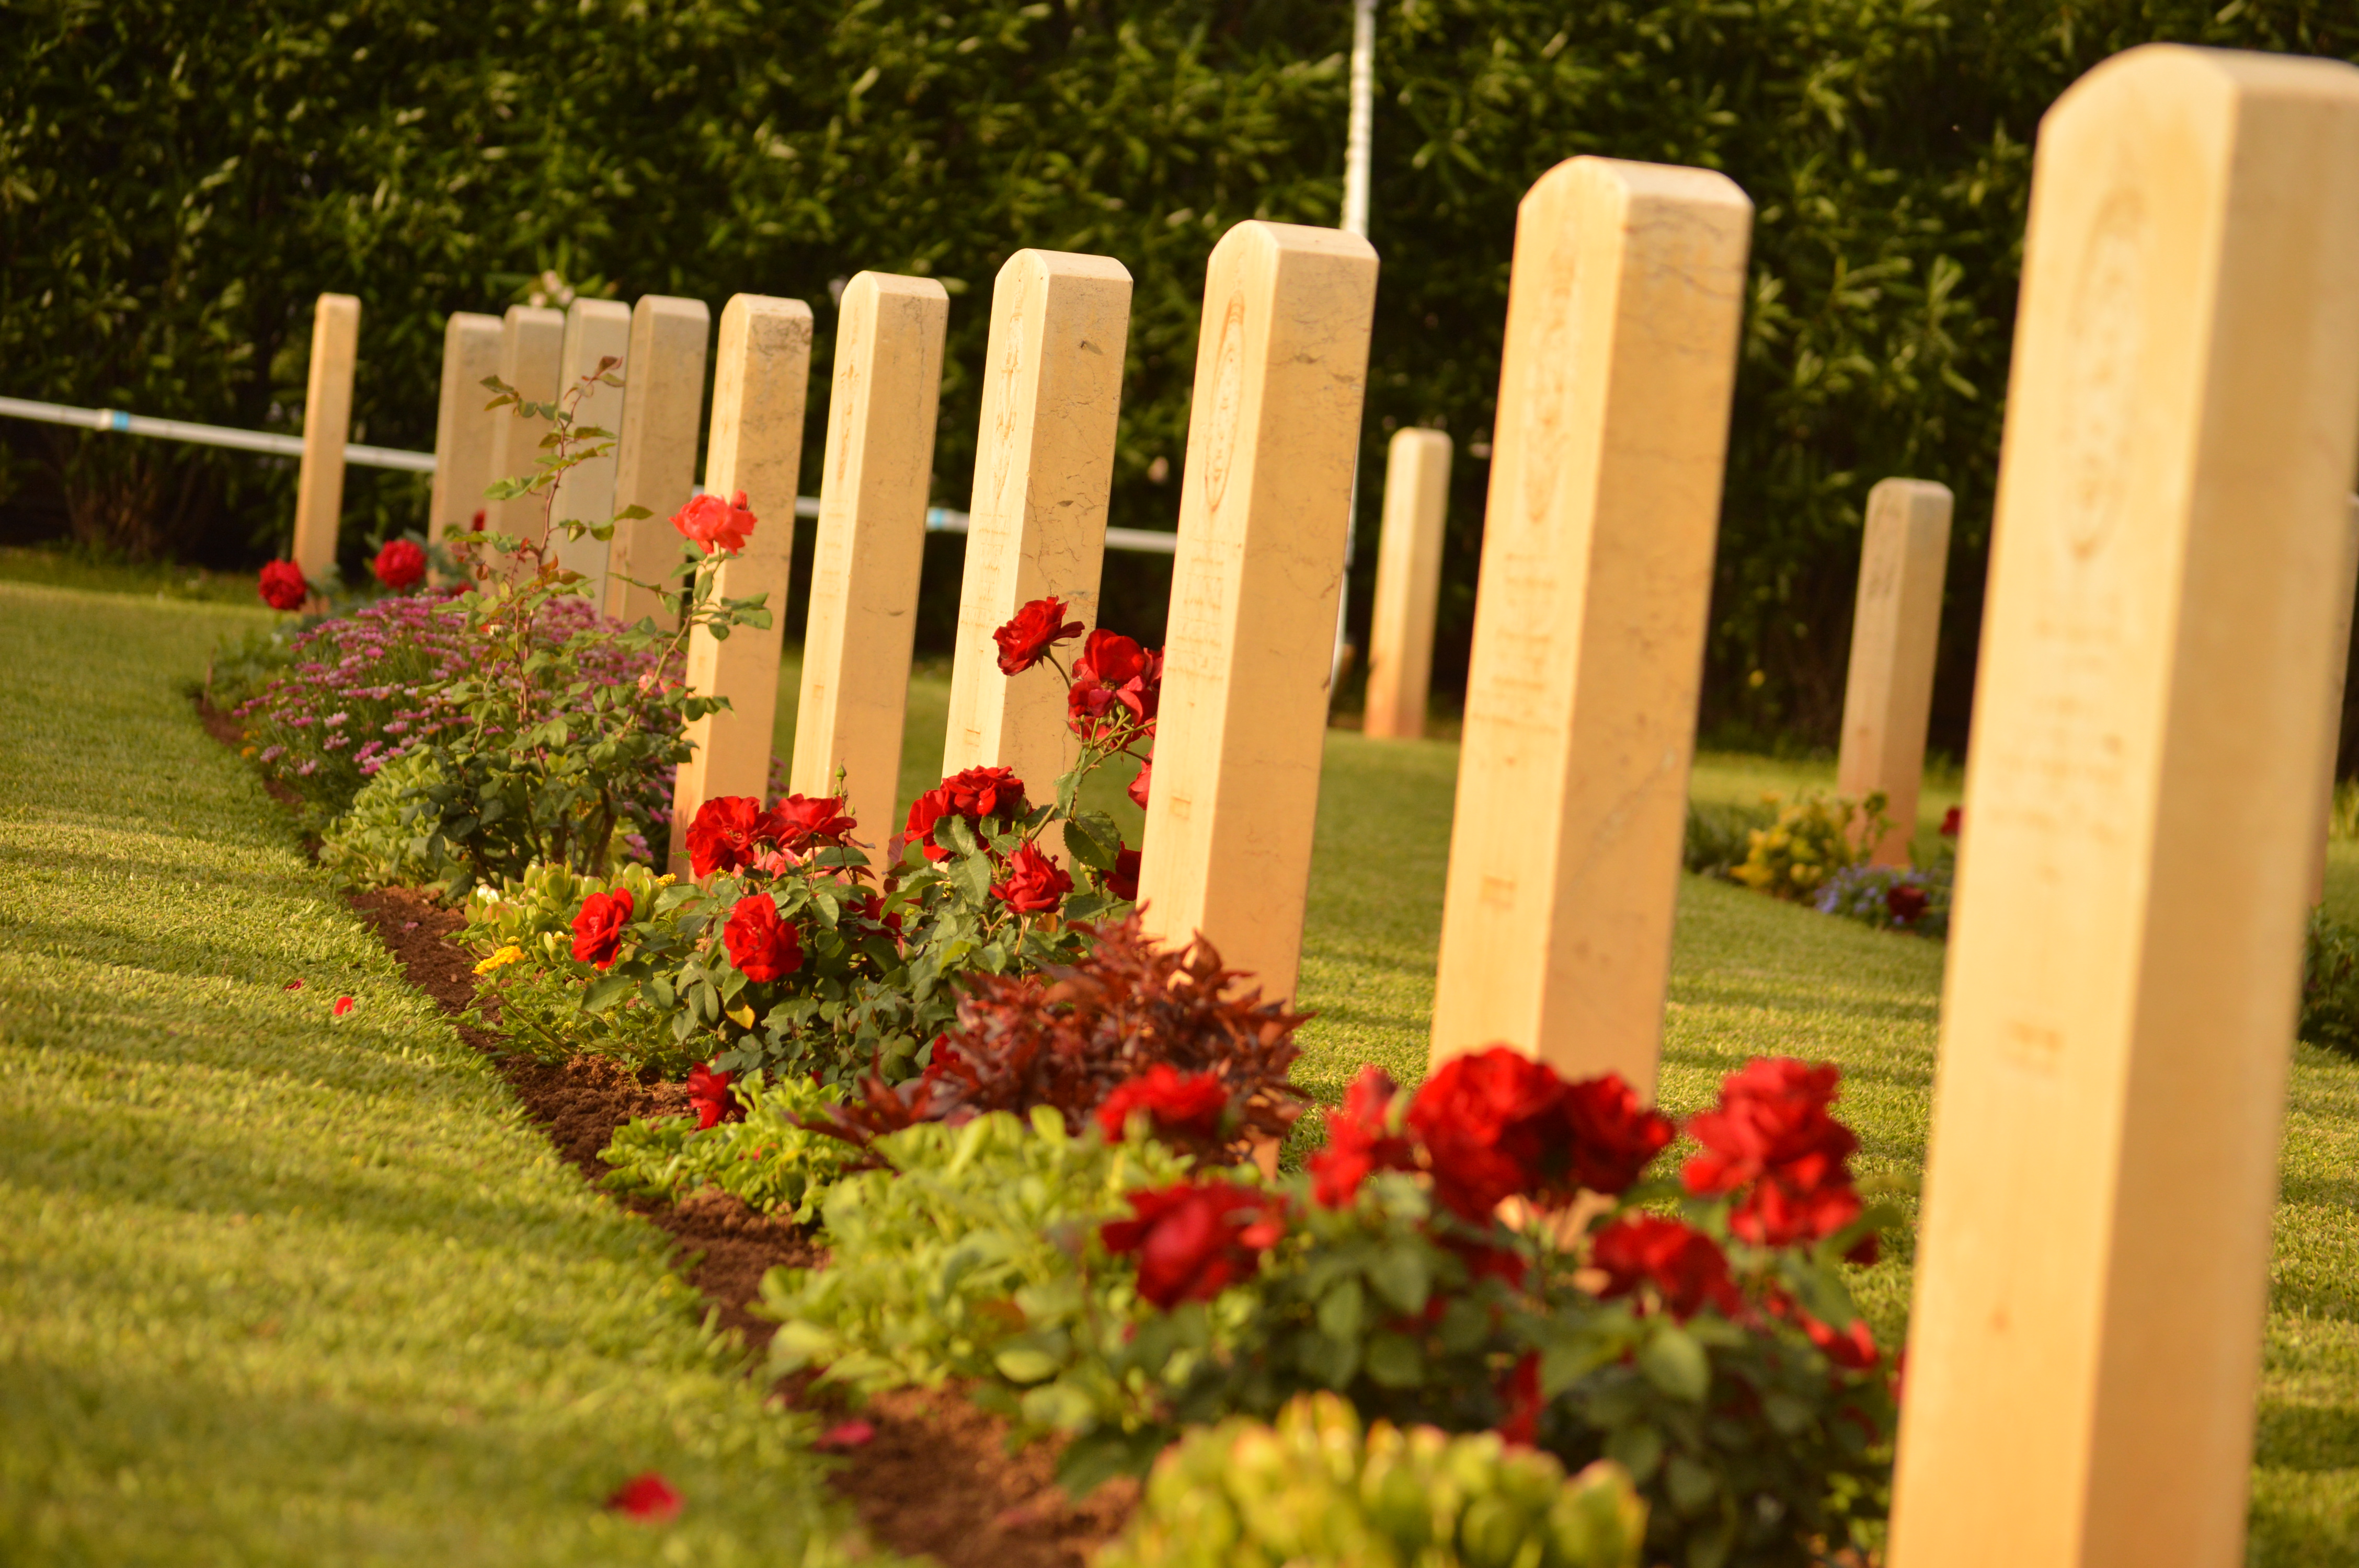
(649, 1498)
(293, 985)
(844, 1435)
(343, 1005)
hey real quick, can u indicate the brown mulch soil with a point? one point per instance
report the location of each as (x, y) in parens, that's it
(936, 1478)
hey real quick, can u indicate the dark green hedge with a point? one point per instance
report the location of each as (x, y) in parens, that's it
(178, 179)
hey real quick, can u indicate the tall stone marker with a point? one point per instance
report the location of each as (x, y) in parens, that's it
(327, 424)
(758, 392)
(2340, 646)
(871, 542)
(466, 433)
(1409, 584)
(654, 462)
(1043, 463)
(595, 330)
(1888, 698)
(1281, 371)
(2093, 1262)
(532, 348)
(1589, 624)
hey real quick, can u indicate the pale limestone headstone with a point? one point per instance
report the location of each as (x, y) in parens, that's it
(532, 346)
(595, 330)
(464, 431)
(1409, 584)
(1044, 464)
(327, 422)
(655, 463)
(1589, 621)
(2093, 1257)
(871, 542)
(1895, 630)
(2340, 646)
(1281, 370)
(758, 391)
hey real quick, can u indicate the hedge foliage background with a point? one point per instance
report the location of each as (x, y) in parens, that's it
(178, 179)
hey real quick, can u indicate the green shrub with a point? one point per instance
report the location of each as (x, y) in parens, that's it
(769, 1159)
(372, 845)
(1720, 836)
(2330, 985)
(1312, 1490)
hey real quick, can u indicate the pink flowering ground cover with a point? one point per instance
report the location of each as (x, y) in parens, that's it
(360, 692)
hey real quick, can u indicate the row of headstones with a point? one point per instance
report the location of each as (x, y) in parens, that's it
(2150, 736)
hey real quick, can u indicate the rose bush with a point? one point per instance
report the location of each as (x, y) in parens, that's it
(1695, 1330)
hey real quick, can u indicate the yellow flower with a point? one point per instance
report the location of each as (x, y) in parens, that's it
(665, 880)
(507, 954)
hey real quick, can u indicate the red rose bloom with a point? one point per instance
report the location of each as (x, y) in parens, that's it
(1613, 1137)
(598, 929)
(1360, 1139)
(1185, 1108)
(1906, 901)
(974, 793)
(1952, 821)
(1496, 1124)
(1034, 883)
(808, 820)
(1853, 1347)
(728, 833)
(1139, 786)
(1026, 640)
(1520, 1404)
(1122, 881)
(762, 945)
(649, 1498)
(709, 1096)
(1116, 682)
(1771, 1139)
(715, 523)
(1195, 1240)
(283, 587)
(1685, 1267)
(400, 565)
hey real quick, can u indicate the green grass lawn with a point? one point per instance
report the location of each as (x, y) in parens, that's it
(137, 1150)
(276, 1288)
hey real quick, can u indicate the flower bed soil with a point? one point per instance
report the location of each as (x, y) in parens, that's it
(936, 1478)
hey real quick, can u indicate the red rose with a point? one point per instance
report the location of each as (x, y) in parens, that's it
(1026, 640)
(1687, 1268)
(1520, 1404)
(974, 793)
(399, 564)
(1184, 1108)
(1952, 821)
(1139, 786)
(649, 1498)
(1115, 683)
(806, 820)
(1122, 881)
(709, 1096)
(283, 587)
(1853, 1347)
(1771, 1139)
(477, 525)
(1360, 1139)
(762, 945)
(1906, 901)
(715, 523)
(729, 832)
(598, 929)
(1034, 883)
(1613, 1137)
(1195, 1240)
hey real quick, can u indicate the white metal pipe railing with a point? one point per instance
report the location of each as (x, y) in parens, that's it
(939, 519)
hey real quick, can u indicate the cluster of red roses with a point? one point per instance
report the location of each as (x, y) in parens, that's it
(1493, 1125)
(1115, 689)
(985, 798)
